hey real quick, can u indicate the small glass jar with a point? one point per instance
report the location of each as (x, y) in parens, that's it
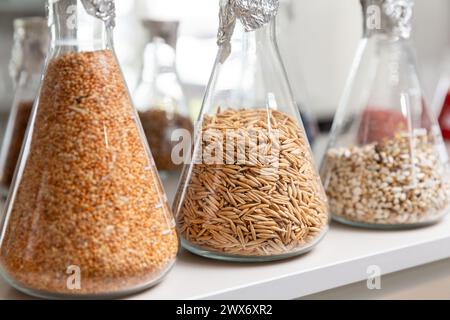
(87, 216)
(31, 41)
(251, 191)
(386, 165)
(159, 96)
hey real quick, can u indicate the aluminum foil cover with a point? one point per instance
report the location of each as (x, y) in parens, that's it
(253, 14)
(104, 10)
(400, 13)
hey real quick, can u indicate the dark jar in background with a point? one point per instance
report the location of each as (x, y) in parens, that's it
(159, 96)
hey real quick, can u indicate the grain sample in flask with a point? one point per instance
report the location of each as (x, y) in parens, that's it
(86, 216)
(251, 191)
(386, 165)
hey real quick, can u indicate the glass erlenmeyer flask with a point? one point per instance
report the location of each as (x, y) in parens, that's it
(31, 41)
(86, 215)
(159, 97)
(386, 165)
(252, 192)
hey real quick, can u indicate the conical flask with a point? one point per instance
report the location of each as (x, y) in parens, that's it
(86, 215)
(159, 97)
(251, 191)
(31, 42)
(386, 165)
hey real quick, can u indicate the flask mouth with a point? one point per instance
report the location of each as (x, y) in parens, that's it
(165, 30)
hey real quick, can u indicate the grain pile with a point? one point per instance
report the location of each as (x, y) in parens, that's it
(381, 183)
(89, 195)
(11, 148)
(257, 207)
(158, 127)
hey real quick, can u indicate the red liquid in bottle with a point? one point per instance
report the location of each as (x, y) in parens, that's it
(378, 124)
(444, 118)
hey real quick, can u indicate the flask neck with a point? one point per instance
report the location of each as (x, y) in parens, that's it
(256, 18)
(81, 25)
(259, 41)
(264, 36)
(389, 18)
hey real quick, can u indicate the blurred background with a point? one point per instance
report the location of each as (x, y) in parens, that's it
(317, 38)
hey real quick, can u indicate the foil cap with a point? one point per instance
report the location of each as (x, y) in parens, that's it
(104, 10)
(253, 14)
(400, 14)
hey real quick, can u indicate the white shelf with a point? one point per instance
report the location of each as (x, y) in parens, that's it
(340, 259)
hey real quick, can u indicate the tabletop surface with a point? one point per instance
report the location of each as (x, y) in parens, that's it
(344, 256)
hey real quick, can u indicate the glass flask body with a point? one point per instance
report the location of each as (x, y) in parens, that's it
(159, 97)
(86, 215)
(386, 165)
(251, 191)
(31, 41)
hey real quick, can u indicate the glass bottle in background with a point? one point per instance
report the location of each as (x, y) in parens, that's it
(251, 191)
(86, 190)
(442, 99)
(31, 41)
(159, 96)
(386, 165)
